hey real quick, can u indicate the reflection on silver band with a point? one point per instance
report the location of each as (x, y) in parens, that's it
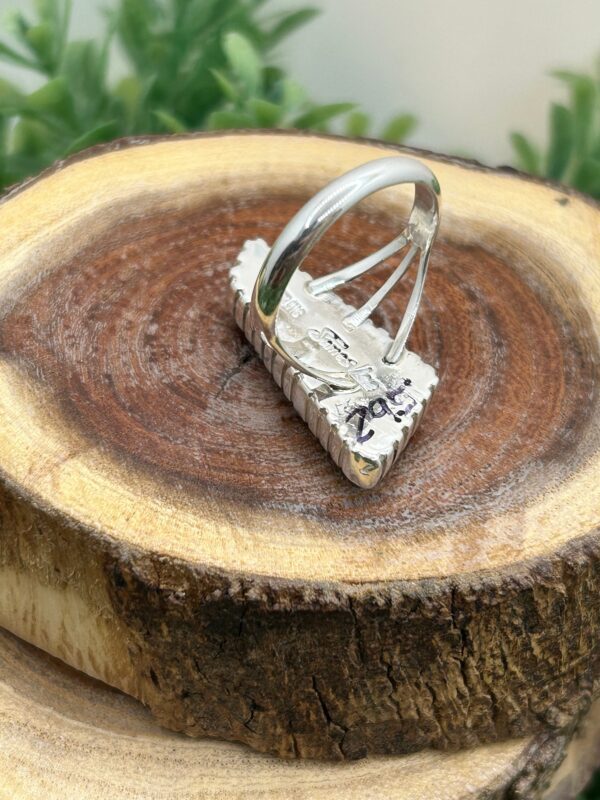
(305, 229)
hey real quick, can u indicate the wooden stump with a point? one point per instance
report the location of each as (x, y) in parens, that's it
(64, 736)
(168, 524)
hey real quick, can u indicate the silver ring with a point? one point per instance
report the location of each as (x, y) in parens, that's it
(309, 224)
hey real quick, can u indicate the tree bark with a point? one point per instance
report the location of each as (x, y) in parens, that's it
(66, 737)
(168, 524)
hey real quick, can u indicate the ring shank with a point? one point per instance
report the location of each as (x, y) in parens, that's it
(311, 222)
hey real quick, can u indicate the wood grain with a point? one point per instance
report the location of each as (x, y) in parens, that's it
(169, 525)
(64, 736)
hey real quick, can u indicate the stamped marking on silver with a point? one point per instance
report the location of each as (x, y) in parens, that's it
(361, 392)
(364, 428)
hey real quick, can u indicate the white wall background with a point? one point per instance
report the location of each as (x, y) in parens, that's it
(471, 70)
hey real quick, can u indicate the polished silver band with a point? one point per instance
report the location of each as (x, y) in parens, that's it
(309, 224)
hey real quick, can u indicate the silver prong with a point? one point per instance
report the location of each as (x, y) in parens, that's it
(329, 282)
(295, 243)
(357, 317)
(396, 348)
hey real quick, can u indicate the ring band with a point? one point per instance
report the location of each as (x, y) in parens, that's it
(309, 224)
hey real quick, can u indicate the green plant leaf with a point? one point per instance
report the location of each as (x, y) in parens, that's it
(17, 23)
(272, 78)
(266, 114)
(11, 99)
(133, 21)
(244, 61)
(53, 97)
(585, 99)
(293, 95)
(30, 138)
(561, 141)
(225, 85)
(568, 76)
(584, 104)
(587, 177)
(48, 10)
(128, 94)
(83, 66)
(573, 152)
(357, 124)
(189, 64)
(319, 115)
(198, 13)
(18, 167)
(399, 128)
(169, 121)
(229, 119)
(41, 42)
(101, 133)
(9, 54)
(528, 155)
(289, 23)
(64, 20)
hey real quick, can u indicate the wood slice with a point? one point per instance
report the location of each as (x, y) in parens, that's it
(64, 736)
(170, 526)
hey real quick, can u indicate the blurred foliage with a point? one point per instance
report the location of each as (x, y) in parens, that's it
(189, 65)
(592, 792)
(208, 64)
(573, 152)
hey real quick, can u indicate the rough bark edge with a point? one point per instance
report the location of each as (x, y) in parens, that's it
(523, 779)
(540, 763)
(303, 593)
(186, 654)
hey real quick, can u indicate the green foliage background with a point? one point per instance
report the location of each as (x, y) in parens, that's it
(209, 64)
(573, 153)
(189, 65)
